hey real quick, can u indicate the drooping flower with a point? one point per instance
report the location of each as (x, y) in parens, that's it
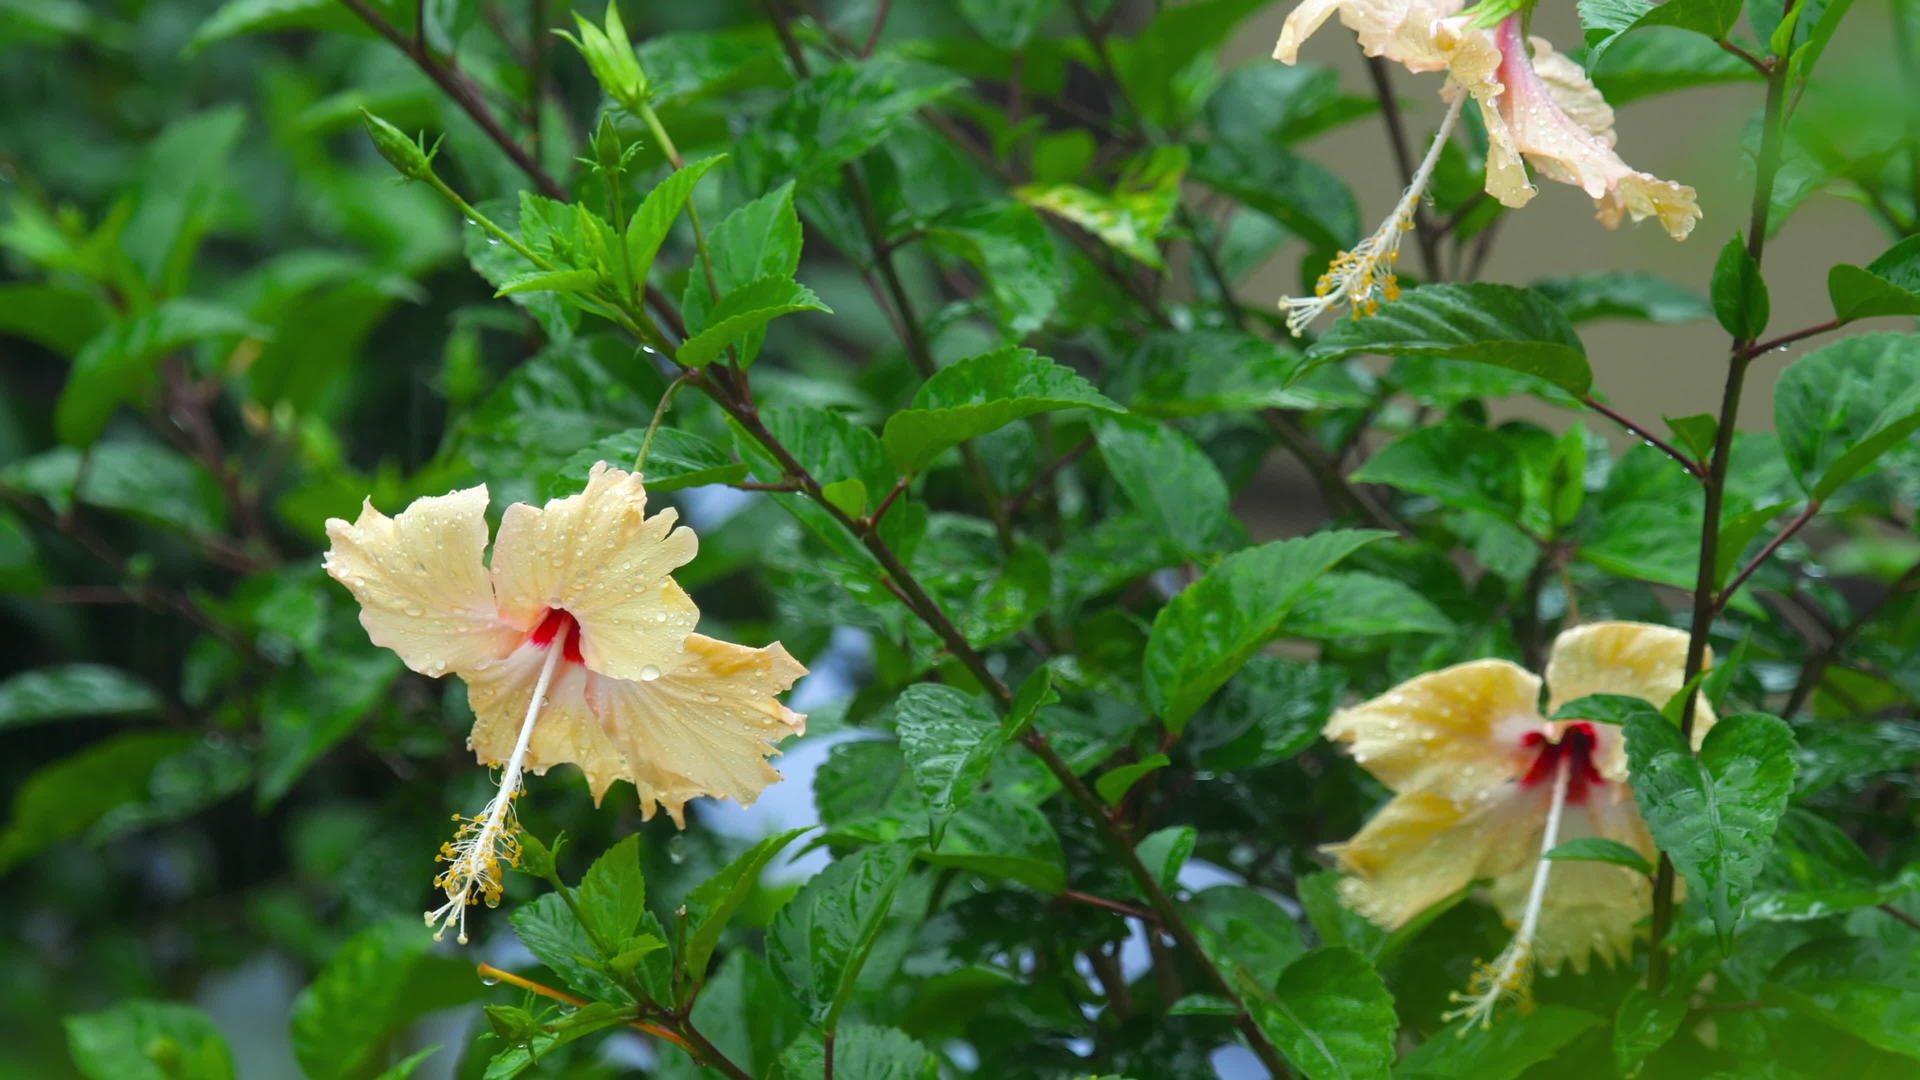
(576, 646)
(1484, 786)
(1539, 109)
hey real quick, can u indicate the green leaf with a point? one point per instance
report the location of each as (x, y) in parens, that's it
(1273, 709)
(1313, 202)
(1206, 632)
(59, 319)
(1607, 295)
(650, 224)
(1739, 292)
(549, 930)
(1696, 433)
(1165, 851)
(1009, 245)
(820, 940)
(1467, 1050)
(1462, 465)
(1645, 1023)
(1601, 849)
(759, 240)
(1486, 324)
(148, 1040)
(1354, 604)
(511, 1062)
(550, 281)
(1131, 217)
(1855, 985)
(1839, 408)
(1714, 815)
(714, 902)
(949, 740)
(1196, 372)
(1604, 708)
(361, 997)
(1003, 837)
(310, 708)
(1660, 60)
(982, 394)
(677, 459)
(118, 364)
(181, 176)
(838, 115)
(1114, 784)
(860, 1052)
(613, 894)
(1607, 20)
(1246, 934)
(70, 690)
(743, 311)
(149, 483)
(1331, 1016)
(1169, 479)
(62, 798)
(237, 18)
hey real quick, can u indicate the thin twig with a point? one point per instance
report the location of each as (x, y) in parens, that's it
(880, 14)
(1784, 340)
(1753, 61)
(491, 974)
(1799, 521)
(1128, 910)
(1687, 463)
(1019, 500)
(1816, 663)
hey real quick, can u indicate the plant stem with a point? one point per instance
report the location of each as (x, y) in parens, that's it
(1766, 167)
(488, 971)
(1817, 660)
(1687, 463)
(1791, 527)
(1784, 340)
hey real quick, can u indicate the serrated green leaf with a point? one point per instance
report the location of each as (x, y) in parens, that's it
(860, 1052)
(1714, 814)
(820, 940)
(982, 394)
(613, 894)
(949, 740)
(1331, 1015)
(653, 220)
(1841, 407)
(713, 903)
(148, 1040)
(1169, 480)
(1206, 632)
(743, 311)
(1499, 325)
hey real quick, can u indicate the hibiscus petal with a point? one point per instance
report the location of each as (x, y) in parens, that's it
(423, 590)
(704, 728)
(1422, 848)
(1637, 659)
(1455, 732)
(1590, 908)
(565, 731)
(599, 557)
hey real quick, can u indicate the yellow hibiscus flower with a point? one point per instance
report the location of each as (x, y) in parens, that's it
(1539, 108)
(1484, 786)
(576, 645)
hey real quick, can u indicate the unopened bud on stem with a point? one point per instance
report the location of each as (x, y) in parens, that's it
(414, 160)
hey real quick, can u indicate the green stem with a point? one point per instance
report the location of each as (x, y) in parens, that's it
(659, 411)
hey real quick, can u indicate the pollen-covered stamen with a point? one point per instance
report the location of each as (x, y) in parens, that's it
(482, 843)
(559, 623)
(1363, 277)
(1509, 978)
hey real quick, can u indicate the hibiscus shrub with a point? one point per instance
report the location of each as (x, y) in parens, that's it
(416, 409)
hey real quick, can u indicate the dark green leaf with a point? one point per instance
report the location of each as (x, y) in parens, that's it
(1466, 1050)
(1353, 604)
(1114, 784)
(1623, 296)
(820, 940)
(358, 999)
(310, 708)
(148, 1040)
(1841, 407)
(979, 395)
(1485, 324)
(1601, 849)
(1713, 815)
(1645, 1023)
(1660, 60)
(742, 312)
(1739, 292)
(236, 18)
(1009, 244)
(1855, 985)
(549, 930)
(1168, 478)
(1607, 20)
(1164, 851)
(1312, 202)
(677, 459)
(1204, 634)
(613, 894)
(1604, 708)
(1273, 709)
(1246, 934)
(949, 740)
(118, 364)
(1000, 836)
(1331, 1016)
(62, 798)
(714, 902)
(860, 1052)
(70, 690)
(1463, 466)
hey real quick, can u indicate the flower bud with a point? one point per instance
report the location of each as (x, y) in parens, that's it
(609, 54)
(414, 160)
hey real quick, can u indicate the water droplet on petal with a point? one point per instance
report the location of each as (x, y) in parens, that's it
(489, 980)
(649, 673)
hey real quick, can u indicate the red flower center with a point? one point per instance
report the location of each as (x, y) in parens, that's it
(1575, 748)
(559, 623)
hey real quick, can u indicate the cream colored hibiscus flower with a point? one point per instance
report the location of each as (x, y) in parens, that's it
(576, 645)
(1539, 109)
(1484, 786)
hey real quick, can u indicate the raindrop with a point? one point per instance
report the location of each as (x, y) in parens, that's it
(649, 673)
(489, 980)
